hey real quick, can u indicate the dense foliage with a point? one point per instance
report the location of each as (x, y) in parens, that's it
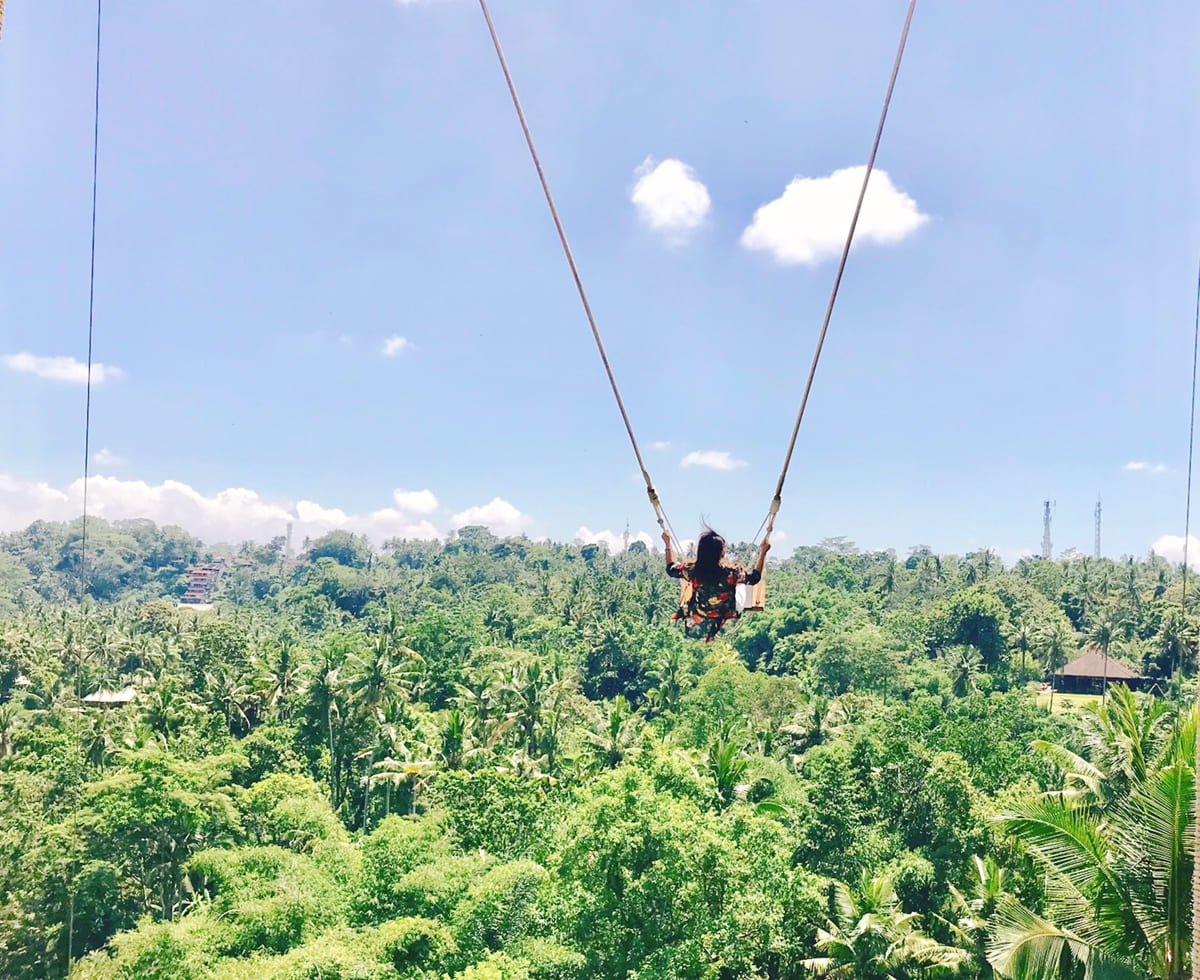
(495, 759)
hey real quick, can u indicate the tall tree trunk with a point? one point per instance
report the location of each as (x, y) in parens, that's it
(367, 788)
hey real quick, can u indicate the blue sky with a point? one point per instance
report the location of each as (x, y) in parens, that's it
(285, 186)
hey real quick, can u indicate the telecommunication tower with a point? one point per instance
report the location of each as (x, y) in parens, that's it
(1097, 550)
(287, 554)
(625, 538)
(1047, 549)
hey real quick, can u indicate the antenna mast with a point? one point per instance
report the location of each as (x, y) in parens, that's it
(1096, 554)
(1047, 548)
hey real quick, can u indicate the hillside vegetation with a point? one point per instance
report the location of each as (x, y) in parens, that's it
(495, 759)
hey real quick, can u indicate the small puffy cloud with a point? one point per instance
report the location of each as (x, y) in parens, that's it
(415, 501)
(1170, 547)
(669, 197)
(809, 221)
(613, 541)
(108, 459)
(712, 459)
(501, 517)
(660, 445)
(1009, 555)
(61, 368)
(315, 514)
(1140, 466)
(398, 520)
(394, 346)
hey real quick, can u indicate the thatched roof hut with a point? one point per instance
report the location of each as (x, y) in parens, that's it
(111, 699)
(1086, 674)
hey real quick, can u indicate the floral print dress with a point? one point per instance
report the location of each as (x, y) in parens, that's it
(711, 600)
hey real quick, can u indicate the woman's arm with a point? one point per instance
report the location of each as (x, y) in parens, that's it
(675, 571)
(755, 575)
(762, 557)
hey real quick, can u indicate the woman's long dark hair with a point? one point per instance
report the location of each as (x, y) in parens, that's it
(710, 549)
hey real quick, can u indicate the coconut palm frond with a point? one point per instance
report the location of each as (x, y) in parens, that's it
(1077, 771)
(1067, 840)
(1027, 947)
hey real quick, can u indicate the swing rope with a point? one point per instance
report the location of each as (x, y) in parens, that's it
(87, 410)
(1177, 669)
(769, 520)
(87, 433)
(659, 513)
(1183, 618)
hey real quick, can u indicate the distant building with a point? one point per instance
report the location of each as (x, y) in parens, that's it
(202, 583)
(1086, 674)
(111, 699)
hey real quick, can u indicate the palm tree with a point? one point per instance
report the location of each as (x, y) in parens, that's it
(278, 676)
(1085, 592)
(727, 765)
(1056, 643)
(618, 737)
(375, 686)
(817, 718)
(1173, 640)
(326, 695)
(1102, 634)
(1132, 590)
(1023, 637)
(166, 707)
(1124, 737)
(1117, 879)
(232, 695)
(963, 663)
(527, 686)
(869, 937)
(987, 562)
(454, 740)
(668, 676)
(10, 719)
(479, 701)
(406, 772)
(974, 911)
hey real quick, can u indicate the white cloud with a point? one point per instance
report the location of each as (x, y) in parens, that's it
(1009, 555)
(669, 197)
(712, 459)
(239, 514)
(107, 458)
(499, 516)
(1170, 547)
(398, 521)
(660, 446)
(235, 514)
(61, 368)
(1140, 466)
(394, 346)
(809, 221)
(611, 539)
(415, 501)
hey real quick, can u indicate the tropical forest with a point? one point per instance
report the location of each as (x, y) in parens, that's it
(492, 758)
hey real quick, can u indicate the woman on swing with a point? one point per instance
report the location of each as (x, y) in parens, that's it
(713, 598)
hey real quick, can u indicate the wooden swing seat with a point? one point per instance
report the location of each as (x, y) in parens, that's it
(750, 598)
